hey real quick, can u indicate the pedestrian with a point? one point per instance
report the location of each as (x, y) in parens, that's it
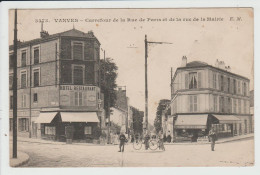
(212, 137)
(146, 140)
(161, 145)
(122, 140)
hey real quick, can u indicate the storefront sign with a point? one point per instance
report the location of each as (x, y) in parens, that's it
(77, 88)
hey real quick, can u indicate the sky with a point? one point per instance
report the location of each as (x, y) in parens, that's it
(225, 40)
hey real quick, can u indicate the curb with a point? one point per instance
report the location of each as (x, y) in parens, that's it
(21, 162)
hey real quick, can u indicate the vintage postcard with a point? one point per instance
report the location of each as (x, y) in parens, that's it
(162, 87)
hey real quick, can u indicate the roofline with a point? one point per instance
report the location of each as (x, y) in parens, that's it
(208, 66)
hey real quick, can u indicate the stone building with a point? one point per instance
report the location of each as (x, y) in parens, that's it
(58, 85)
(205, 97)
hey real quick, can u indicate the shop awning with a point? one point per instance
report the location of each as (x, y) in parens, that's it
(79, 117)
(191, 122)
(228, 119)
(46, 117)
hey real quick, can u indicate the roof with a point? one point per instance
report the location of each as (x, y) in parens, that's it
(199, 64)
(68, 33)
(196, 64)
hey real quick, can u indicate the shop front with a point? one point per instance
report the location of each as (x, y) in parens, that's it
(76, 126)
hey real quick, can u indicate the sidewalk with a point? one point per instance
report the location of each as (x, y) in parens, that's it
(22, 158)
(222, 140)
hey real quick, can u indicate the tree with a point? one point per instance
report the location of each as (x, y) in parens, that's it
(108, 71)
(137, 120)
(158, 119)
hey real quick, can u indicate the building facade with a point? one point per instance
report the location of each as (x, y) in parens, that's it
(58, 85)
(205, 97)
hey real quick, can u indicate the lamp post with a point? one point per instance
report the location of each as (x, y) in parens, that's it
(146, 43)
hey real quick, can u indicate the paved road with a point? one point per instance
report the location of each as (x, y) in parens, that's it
(239, 153)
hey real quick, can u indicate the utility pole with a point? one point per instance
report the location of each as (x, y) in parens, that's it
(146, 77)
(15, 89)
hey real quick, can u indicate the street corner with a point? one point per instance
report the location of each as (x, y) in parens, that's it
(22, 158)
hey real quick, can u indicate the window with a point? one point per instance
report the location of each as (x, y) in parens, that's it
(78, 75)
(245, 89)
(77, 50)
(50, 130)
(23, 79)
(36, 77)
(23, 60)
(221, 104)
(238, 87)
(245, 126)
(228, 84)
(88, 130)
(245, 106)
(239, 106)
(10, 124)
(23, 100)
(229, 105)
(23, 124)
(221, 83)
(193, 80)
(234, 106)
(11, 102)
(214, 81)
(78, 99)
(193, 104)
(235, 86)
(215, 103)
(35, 97)
(11, 81)
(36, 55)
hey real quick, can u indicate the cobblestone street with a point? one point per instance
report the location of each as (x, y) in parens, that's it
(236, 153)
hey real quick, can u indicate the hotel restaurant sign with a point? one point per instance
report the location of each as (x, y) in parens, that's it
(77, 88)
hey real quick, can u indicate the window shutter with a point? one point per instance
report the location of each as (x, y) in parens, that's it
(186, 81)
(191, 104)
(210, 79)
(219, 82)
(199, 79)
(231, 85)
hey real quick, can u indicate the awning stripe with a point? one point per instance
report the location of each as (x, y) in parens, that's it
(46, 117)
(79, 117)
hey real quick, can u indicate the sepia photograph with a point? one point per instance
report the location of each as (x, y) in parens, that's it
(131, 87)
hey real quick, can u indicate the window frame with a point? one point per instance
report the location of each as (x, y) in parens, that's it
(86, 129)
(73, 67)
(72, 49)
(193, 82)
(35, 101)
(33, 71)
(21, 73)
(33, 48)
(26, 55)
(193, 104)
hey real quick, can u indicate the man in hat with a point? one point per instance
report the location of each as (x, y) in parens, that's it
(212, 137)
(122, 140)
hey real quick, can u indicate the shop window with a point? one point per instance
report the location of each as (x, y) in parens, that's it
(50, 130)
(35, 97)
(78, 75)
(88, 130)
(23, 59)
(23, 79)
(193, 80)
(78, 50)
(36, 55)
(36, 77)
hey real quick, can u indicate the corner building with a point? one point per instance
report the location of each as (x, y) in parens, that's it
(58, 85)
(205, 97)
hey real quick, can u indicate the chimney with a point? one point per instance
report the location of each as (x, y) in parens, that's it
(217, 63)
(43, 33)
(228, 68)
(184, 61)
(222, 65)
